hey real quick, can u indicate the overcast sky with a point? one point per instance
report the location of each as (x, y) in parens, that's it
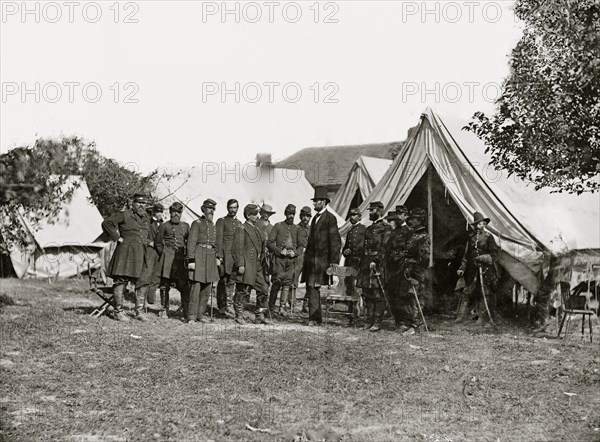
(148, 89)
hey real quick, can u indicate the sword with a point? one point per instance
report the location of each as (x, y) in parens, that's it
(414, 291)
(484, 297)
(377, 275)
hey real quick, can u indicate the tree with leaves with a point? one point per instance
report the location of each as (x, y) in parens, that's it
(546, 128)
(34, 183)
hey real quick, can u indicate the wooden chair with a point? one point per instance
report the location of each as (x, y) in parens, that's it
(104, 292)
(575, 305)
(339, 295)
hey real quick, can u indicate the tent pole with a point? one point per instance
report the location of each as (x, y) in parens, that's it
(430, 211)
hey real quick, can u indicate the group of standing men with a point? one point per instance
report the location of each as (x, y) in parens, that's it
(390, 256)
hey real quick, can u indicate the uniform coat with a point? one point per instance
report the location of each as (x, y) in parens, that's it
(395, 254)
(302, 242)
(201, 248)
(283, 236)
(355, 241)
(129, 256)
(247, 251)
(482, 245)
(226, 227)
(376, 237)
(323, 248)
(170, 243)
(148, 276)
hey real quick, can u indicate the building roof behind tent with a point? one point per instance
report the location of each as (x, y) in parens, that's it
(248, 184)
(78, 223)
(551, 217)
(331, 165)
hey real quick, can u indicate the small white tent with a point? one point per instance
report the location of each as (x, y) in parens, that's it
(444, 170)
(65, 247)
(245, 183)
(364, 175)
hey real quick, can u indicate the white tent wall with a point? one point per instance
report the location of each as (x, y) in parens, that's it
(364, 175)
(247, 184)
(523, 252)
(65, 246)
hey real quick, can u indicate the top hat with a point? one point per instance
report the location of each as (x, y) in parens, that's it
(290, 208)
(211, 204)
(267, 208)
(321, 194)
(478, 217)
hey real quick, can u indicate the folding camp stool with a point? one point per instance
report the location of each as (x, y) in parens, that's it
(575, 305)
(103, 292)
(339, 295)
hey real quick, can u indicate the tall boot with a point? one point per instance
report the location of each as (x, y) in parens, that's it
(285, 295)
(273, 296)
(229, 291)
(238, 306)
(161, 311)
(464, 313)
(140, 303)
(118, 313)
(378, 315)
(370, 308)
(203, 303)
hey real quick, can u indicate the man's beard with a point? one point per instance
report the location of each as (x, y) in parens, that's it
(374, 216)
(175, 220)
(208, 216)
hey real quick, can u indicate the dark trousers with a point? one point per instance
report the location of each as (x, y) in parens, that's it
(199, 293)
(182, 287)
(314, 304)
(225, 290)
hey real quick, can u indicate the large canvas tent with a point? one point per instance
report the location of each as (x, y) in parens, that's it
(65, 246)
(245, 183)
(364, 175)
(444, 170)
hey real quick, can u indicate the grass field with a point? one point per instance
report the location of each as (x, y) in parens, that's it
(66, 376)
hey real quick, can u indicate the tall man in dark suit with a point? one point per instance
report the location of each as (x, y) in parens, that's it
(322, 251)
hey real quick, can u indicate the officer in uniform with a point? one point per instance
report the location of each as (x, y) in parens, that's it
(129, 229)
(395, 262)
(376, 236)
(303, 230)
(225, 229)
(353, 251)
(170, 243)
(265, 227)
(247, 251)
(149, 280)
(480, 256)
(203, 261)
(417, 262)
(284, 247)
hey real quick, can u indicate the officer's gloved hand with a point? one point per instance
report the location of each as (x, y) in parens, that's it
(192, 266)
(413, 282)
(460, 272)
(291, 254)
(241, 270)
(372, 266)
(218, 262)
